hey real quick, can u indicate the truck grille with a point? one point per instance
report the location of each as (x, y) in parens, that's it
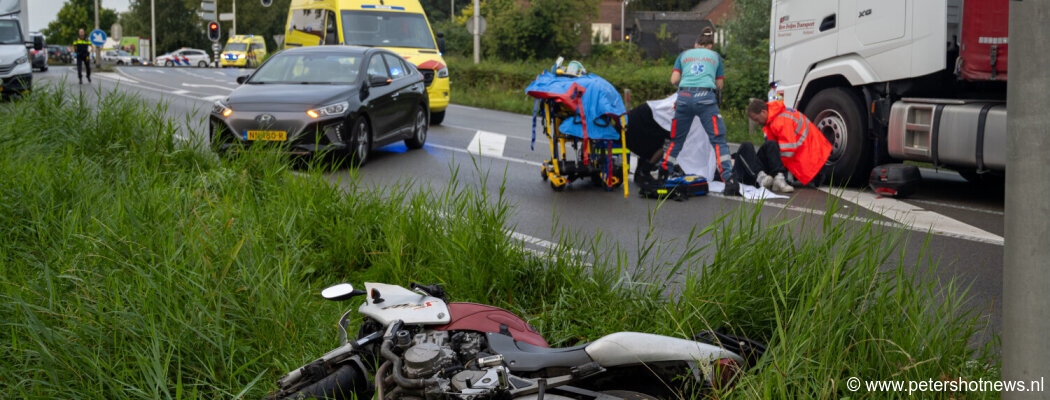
(428, 76)
(7, 68)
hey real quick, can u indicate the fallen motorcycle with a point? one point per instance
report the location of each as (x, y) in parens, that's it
(414, 344)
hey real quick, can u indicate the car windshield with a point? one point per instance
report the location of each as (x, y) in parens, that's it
(309, 69)
(236, 46)
(123, 53)
(9, 32)
(386, 29)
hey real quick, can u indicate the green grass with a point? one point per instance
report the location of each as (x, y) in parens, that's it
(133, 268)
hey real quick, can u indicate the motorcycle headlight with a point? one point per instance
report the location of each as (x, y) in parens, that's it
(221, 109)
(329, 110)
(22, 60)
(442, 73)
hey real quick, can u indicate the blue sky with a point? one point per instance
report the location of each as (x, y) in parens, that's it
(42, 12)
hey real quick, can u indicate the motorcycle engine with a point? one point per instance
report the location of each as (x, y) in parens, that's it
(429, 354)
(450, 358)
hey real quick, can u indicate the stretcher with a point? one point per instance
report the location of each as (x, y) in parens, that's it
(587, 115)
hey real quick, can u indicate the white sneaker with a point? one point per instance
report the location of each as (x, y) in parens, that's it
(780, 184)
(764, 180)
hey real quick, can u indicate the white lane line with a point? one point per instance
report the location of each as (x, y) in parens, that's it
(916, 218)
(487, 144)
(212, 98)
(211, 86)
(115, 77)
(958, 207)
(180, 91)
(504, 158)
(475, 129)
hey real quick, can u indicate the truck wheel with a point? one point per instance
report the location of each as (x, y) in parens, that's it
(837, 113)
(436, 117)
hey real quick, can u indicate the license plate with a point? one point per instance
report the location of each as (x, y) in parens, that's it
(277, 136)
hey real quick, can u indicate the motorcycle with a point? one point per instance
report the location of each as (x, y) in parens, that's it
(416, 344)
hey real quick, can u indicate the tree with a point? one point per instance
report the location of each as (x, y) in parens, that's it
(74, 15)
(747, 53)
(540, 29)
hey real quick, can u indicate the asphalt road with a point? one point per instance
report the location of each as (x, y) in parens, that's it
(491, 148)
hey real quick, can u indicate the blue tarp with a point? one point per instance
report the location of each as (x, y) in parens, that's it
(600, 98)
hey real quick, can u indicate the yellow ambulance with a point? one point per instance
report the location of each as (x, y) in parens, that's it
(398, 25)
(243, 51)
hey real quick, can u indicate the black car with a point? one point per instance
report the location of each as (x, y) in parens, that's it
(325, 98)
(59, 54)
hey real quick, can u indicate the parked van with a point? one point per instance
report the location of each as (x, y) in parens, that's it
(243, 51)
(398, 25)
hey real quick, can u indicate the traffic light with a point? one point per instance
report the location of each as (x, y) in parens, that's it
(213, 31)
(266, 3)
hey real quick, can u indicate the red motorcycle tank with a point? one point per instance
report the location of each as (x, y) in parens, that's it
(485, 318)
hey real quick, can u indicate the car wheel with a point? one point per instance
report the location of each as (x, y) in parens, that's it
(419, 131)
(202, 64)
(837, 113)
(169, 63)
(44, 69)
(360, 141)
(437, 117)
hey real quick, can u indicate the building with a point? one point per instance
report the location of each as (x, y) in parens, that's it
(656, 32)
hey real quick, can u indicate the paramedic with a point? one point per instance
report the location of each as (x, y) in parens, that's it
(698, 73)
(803, 148)
(82, 49)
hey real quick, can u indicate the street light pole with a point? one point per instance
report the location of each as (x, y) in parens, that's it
(96, 28)
(477, 32)
(1026, 306)
(152, 31)
(623, 12)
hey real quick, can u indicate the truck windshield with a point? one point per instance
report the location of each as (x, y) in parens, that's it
(236, 47)
(10, 32)
(386, 29)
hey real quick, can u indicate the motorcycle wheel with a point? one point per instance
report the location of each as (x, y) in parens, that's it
(344, 384)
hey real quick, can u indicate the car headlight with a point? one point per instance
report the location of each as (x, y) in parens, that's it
(442, 73)
(22, 60)
(329, 110)
(221, 109)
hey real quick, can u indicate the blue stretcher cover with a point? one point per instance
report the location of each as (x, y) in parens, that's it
(599, 99)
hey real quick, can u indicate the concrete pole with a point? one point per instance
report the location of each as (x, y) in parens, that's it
(623, 11)
(452, 11)
(234, 17)
(1026, 275)
(152, 31)
(477, 32)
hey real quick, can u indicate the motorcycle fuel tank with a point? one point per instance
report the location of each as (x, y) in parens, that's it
(388, 303)
(485, 318)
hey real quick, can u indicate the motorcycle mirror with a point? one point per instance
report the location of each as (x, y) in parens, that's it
(340, 291)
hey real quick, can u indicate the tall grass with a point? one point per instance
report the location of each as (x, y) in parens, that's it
(133, 268)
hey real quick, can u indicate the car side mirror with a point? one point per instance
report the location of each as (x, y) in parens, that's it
(376, 81)
(38, 42)
(241, 79)
(441, 42)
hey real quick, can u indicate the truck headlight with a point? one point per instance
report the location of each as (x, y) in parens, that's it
(442, 73)
(22, 60)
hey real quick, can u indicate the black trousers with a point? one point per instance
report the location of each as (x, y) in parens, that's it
(748, 162)
(87, 65)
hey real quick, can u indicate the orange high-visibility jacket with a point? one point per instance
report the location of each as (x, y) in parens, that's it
(803, 148)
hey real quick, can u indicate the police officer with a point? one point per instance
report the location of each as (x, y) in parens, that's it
(698, 73)
(82, 48)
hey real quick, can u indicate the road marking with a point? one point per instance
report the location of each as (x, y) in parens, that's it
(115, 77)
(200, 86)
(487, 144)
(504, 158)
(180, 91)
(916, 218)
(212, 98)
(958, 207)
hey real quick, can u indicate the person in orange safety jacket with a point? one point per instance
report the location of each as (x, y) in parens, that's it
(803, 148)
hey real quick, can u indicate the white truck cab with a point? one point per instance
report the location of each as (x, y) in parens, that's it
(16, 69)
(920, 80)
